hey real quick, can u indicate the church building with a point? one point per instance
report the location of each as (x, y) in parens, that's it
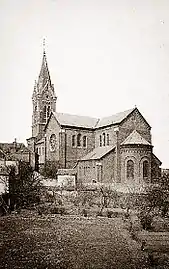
(117, 148)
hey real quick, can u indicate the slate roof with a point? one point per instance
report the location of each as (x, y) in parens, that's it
(114, 119)
(135, 138)
(89, 122)
(75, 120)
(97, 153)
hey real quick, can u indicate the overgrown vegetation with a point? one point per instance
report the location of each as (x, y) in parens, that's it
(50, 169)
(24, 186)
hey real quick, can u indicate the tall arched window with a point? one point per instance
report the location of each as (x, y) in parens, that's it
(108, 140)
(73, 140)
(145, 169)
(130, 169)
(79, 140)
(84, 141)
(104, 139)
(100, 141)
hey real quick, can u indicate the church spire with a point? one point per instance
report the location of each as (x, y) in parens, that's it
(43, 98)
(44, 76)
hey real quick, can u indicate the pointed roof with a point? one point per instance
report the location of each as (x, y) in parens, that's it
(135, 138)
(97, 153)
(69, 120)
(88, 122)
(75, 120)
(114, 119)
(44, 76)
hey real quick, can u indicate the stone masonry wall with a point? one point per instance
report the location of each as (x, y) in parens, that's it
(138, 155)
(52, 128)
(73, 153)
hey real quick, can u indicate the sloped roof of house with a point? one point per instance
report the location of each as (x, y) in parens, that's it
(89, 122)
(97, 153)
(135, 138)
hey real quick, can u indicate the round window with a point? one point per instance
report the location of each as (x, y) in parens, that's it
(53, 142)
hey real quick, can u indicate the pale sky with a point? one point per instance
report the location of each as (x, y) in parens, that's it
(104, 57)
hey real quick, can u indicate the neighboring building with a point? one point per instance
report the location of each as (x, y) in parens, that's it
(17, 151)
(112, 149)
(4, 171)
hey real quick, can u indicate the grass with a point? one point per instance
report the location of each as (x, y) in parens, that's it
(66, 242)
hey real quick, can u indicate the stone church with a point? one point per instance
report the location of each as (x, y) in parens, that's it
(117, 148)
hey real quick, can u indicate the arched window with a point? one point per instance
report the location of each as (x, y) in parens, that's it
(104, 139)
(44, 114)
(145, 169)
(79, 140)
(130, 169)
(100, 141)
(108, 140)
(48, 111)
(73, 140)
(84, 141)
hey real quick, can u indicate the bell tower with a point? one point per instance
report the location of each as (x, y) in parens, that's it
(43, 98)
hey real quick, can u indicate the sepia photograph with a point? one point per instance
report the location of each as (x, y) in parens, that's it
(84, 136)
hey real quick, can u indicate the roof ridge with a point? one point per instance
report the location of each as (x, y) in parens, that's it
(97, 122)
(85, 116)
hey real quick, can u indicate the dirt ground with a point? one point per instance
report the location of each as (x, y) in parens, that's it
(67, 242)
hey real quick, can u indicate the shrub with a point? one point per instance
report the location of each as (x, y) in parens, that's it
(109, 213)
(99, 214)
(50, 169)
(146, 220)
(58, 210)
(24, 186)
(84, 212)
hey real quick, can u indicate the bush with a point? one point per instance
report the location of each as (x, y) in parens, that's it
(58, 210)
(24, 186)
(84, 212)
(99, 214)
(146, 220)
(50, 169)
(109, 213)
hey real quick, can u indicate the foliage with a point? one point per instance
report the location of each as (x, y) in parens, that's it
(84, 198)
(109, 213)
(66, 242)
(155, 202)
(106, 196)
(146, 218)
(50, 169)
(24, 186)
(84, 212)
(58, 210)
(157, 196)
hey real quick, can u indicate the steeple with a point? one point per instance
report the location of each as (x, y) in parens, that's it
(43, 98)
(44, 76)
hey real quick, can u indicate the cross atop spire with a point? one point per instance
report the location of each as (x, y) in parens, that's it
(44, 46)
